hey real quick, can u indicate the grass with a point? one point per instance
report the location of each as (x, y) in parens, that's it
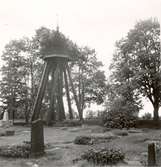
(61, 150)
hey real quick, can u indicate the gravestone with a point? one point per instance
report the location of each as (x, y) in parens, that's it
(37, 138)
(151, 155)
(5, 120)
(5, 117)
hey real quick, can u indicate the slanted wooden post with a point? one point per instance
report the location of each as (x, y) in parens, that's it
(151, 155)
(51, 114)
(68, 96)
(74, 93)
(41, 91)
(61, 116)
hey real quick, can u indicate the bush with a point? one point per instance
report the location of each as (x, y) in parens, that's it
(119, 120)
(104, 156)
(16, 151)
(83, 140)
(147, 116)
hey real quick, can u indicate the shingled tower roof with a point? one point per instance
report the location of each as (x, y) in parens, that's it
(55, 44)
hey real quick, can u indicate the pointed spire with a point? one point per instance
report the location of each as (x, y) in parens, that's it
(57, 22)
(57, 28)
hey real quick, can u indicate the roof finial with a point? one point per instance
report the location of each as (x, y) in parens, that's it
(57, 22)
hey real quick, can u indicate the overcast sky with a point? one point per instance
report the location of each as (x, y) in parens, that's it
(95, 23)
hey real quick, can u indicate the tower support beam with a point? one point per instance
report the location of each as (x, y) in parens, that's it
(41, 91)
(51, 114)
(68, 96)
(74, 93)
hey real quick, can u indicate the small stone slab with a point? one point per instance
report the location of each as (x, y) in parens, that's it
(94, 138)
(120, 132)
(135, 131)
(134, 163)
(2, 134)
(75, 129)
(98, 130)
(106, 129)
(31, 164)
(9, 133)
(107, 135)
(144, 154)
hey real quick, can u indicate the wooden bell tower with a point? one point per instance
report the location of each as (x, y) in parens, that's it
(56, 65)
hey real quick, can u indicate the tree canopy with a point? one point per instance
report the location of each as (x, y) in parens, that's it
(89, 79)
(137, 62)
(20, 76)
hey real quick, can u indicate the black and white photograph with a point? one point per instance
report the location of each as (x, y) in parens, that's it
(80, 83)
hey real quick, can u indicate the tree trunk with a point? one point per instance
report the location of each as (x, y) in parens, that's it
(156, 111)
(26, 113)
(82, 98)
(32, 79)
(13, 108)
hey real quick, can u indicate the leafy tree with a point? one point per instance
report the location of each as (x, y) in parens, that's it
(20, 76)
(34, 68)
(123, 99)
(13, 86)
(137, 61)
(89, 79)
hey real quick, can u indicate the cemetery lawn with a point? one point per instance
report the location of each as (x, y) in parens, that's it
(61, 151)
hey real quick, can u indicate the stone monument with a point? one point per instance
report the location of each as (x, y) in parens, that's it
(5, 120)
